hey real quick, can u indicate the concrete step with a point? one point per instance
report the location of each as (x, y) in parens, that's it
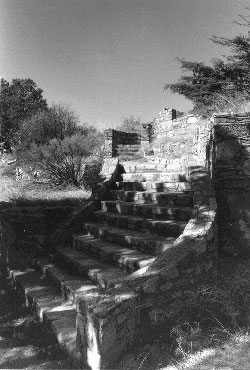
(144, 242)
(102, 274)
(160, 227)
(127, 259)
(150, 197)
(154, 176)
(148, 210)
(157, 186)
(47, 304)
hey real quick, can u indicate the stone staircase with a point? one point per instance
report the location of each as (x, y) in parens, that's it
(144, 215)
(145, 240)
(129, 152)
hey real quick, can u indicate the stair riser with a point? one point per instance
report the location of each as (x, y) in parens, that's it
(153, 176)
(128, 150)
(92, 273)
(146, 246)
(163, 199)
(159, 213)
(127, 259)
(137, 146)
(143, 167)
(124, 262)
(58, 282)
(71, 295)
(160, 187)
(59, 318)
(129, 156)
(170, 229)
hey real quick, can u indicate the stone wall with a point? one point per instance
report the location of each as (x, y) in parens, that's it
(229, 161)
(191, 261)
(28, 228)
(158, 139)
(116, 139)
(109, 324)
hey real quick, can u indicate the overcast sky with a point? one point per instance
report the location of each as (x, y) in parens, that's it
(109, 59)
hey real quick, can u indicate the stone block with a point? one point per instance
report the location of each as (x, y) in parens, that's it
(166, 286)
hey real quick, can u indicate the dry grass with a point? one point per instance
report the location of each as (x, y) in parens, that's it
(210, 332)
(27, 192)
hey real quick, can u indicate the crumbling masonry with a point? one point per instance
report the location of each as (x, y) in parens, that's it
(146, 239)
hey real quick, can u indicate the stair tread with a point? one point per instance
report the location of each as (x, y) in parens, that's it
(75, 283)
(157, 226)
(69, 285)
(170, 173)
(39, 291)
(181, 198)
(138, 218)
(58, 315)
(155, 185)
(105, 275)
(174, 193)
(143, 241)
(110, 252)
(148, 211)
(128, 232)
(146, 205)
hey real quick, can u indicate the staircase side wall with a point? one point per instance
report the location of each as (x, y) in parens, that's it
(230, 166)
(192, 261)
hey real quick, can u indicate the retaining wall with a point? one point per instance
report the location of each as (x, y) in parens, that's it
(28, 228)
(230, 166)
(108, 325)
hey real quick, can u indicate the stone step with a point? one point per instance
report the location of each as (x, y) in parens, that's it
(125, 258)
(157, 186)
(170, 165)
(150, 197)
(68, 285)
(147, 210)
(130, 167)
(128, 148)
(47, 304)
(154, 176)
(128, 156)
(102, 274)
(160, 227)
(142, 241)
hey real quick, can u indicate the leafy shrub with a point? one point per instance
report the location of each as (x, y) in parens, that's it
(74, 160)
(57, 122)
(55, 142)
(130, 124)
(239, 103)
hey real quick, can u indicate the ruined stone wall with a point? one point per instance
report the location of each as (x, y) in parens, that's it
(108, 325)
(28, 228)
(163, 122)
(165, 137)
(114, 140)
(229, 161)
(191, 261)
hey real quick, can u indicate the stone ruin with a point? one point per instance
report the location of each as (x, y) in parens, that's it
(173, 195)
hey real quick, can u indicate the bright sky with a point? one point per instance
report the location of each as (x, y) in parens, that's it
(109, 59)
